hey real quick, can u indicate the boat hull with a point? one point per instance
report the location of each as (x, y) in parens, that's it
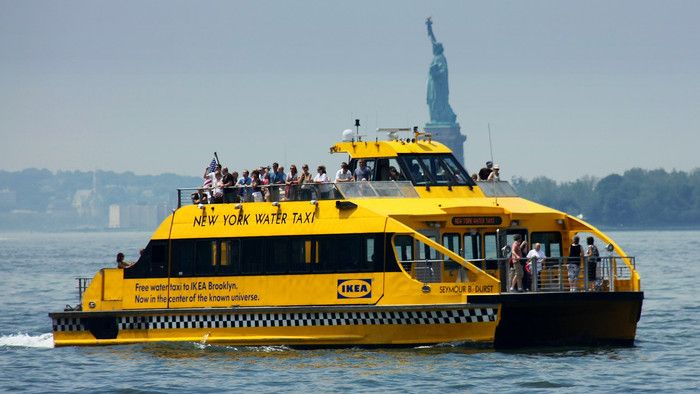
(551, 319)
(502, 321)
(308, 326)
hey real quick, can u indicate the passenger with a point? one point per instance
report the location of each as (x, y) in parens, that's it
(199, 197)
(305, 176)
(486, 171)
(536, 256)
(362, 173)
(217, 186)
(292, 180)
(208, 182)
(120, 261)
(592, 258)
(306, 181)
(256, 190)
(274, 173)
(236, 189)
(323, 181)
(343, 174)
(228, 183)
(280, 176)
(417, 173)
(394, 174)
(574, 261)
(524, 249)
(495, 175)
(516, 270)
(475, 177)
(266, 183)
(244, 183)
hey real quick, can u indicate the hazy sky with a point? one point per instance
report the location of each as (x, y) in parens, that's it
(569, 88)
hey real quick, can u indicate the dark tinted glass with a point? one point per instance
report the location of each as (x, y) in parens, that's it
(183, 258)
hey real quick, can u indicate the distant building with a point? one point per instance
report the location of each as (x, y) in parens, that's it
(87, 202)
(146, 217)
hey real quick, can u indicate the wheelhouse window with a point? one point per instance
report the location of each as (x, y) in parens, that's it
(434, 170)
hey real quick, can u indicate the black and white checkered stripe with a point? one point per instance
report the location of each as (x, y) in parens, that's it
(239, 320)
(67, 324)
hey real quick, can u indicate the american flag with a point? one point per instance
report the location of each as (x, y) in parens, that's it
(212, 166)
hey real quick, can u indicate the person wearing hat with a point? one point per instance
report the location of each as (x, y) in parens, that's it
(486, 171)
(495, 175)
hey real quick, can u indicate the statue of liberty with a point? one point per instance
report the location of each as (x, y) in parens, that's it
(438, 90)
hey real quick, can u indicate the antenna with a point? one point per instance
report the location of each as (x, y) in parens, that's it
(357, 129)
(495, 195)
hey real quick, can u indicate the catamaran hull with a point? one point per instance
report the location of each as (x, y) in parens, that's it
(502, 321)
(552, 319)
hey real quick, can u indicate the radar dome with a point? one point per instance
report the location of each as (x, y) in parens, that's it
(347, 135)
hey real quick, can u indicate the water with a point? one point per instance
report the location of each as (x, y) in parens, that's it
(37, 274)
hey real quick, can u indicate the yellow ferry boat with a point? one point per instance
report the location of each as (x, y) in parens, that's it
(413, 256)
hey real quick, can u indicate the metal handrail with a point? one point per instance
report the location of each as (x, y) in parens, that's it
(302, 192)
(83, 284)
(610, 270)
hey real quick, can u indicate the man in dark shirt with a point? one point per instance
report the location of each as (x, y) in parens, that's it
(486, 171)
(229, 182)
(362, 173)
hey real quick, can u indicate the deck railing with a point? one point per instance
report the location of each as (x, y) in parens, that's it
(552, 275)
(296, 192)
(82, 285)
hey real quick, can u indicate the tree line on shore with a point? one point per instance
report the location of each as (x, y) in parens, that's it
(636, 198)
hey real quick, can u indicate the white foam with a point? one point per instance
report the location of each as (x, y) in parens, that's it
(26, 340)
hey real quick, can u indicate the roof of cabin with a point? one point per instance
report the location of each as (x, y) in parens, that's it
(372, 149)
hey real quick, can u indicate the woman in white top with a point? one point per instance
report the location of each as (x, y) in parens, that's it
(322, 179)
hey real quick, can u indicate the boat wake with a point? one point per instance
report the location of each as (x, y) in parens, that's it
(26, 340)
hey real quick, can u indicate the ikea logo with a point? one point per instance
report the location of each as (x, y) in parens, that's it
(354, 288)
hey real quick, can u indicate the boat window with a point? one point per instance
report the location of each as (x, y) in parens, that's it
(389, 170)
(434, 170)
(472, 246)
(183, 258)
(268, 256)
(230, 255)
(551, 243)
(278, 256)
(369, 250)
(153, 263)
(253, 255)
(159, 259)
(429, 263)
(342, 254)
(299, 257)
(205, 257)
(460, 176)
(490, 247)
(416, 171)
(451, 242)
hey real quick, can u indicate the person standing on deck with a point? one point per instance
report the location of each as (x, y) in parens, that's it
(516, 265)
(574, 263)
